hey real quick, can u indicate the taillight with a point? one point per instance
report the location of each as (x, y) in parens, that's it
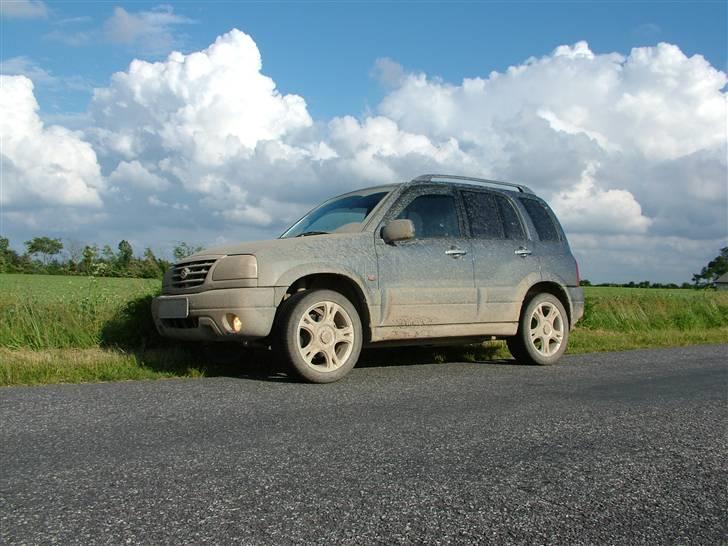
(578, 277)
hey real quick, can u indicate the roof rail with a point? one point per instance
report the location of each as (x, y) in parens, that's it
(435, 177)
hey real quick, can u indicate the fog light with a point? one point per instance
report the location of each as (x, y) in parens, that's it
(235, 323)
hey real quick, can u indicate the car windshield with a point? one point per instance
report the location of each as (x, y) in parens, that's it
(345, 213)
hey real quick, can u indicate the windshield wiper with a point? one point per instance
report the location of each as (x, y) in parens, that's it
(307, 233)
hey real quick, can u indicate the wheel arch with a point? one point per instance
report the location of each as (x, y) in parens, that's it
(555, 290)
(338, 282)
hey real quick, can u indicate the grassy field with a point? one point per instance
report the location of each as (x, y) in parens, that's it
(56, 312)
(74, 329)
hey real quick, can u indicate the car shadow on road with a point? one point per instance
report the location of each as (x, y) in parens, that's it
(413, 355)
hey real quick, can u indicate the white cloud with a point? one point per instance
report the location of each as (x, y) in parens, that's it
(42, 166)
(629, 149)
(387, 72)
(151, 31)
(586, 208)
(25, 66)
(136, 174)
(209, 106)
(23, 9)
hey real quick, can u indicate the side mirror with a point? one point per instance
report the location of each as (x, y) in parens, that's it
(398, 230)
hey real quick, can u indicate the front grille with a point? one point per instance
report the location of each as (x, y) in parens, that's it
(190, 274)
(181, 323)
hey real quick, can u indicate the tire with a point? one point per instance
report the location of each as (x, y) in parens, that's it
(319, 335)
(543, 331)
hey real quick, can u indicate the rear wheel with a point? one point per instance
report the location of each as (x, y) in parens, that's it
(320, 335)
(543, 331)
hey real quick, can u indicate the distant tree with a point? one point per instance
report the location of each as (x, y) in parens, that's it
(8, 257)
(716, 267)
(124, 257)
(89, 258)
(151, 267)
(183, 250)
(74, 249)
(585, 282)
(107, 254)
(45, 246)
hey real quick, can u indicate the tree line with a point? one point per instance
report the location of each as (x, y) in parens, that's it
(46, 255)
(641, 284)
(50, 256)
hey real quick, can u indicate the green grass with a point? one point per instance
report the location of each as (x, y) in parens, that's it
(56, 312)
(638, 310)
(76, 329)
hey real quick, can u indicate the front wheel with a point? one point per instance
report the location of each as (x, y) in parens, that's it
(320, 335)
(543, 331)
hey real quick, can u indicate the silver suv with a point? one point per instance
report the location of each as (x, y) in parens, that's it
(439, 258)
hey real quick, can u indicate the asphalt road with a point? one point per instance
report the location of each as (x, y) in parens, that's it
(607, 448)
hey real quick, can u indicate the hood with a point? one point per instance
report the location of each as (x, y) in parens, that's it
(276, 245)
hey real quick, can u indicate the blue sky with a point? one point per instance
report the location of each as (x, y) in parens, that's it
(615, 112)
(325, 51)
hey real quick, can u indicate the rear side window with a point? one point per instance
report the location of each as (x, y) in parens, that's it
(483, 215)
(545, 227)
(511, 222)
(491, 216)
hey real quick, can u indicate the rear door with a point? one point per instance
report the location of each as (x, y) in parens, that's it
(427, 280)
(504, 263)
(550, 245)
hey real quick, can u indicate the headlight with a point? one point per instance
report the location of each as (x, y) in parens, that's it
(231, 268)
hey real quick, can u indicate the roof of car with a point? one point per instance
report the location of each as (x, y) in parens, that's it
(469, 180)
(446, 179)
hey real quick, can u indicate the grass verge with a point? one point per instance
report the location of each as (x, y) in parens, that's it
(30, 367)
(81, 329)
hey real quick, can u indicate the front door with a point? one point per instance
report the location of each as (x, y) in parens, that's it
(427, 280)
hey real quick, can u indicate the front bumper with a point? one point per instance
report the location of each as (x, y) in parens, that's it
(207, 314)
(576, 297)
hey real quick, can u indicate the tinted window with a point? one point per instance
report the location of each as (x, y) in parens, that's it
(492, 216)
(542, 220)
(483, 215)
(511, 222)
(433, 216)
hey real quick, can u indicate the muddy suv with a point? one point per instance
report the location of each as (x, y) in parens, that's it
(438, 259)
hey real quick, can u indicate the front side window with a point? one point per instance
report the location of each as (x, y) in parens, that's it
(492, 216)
(346, 213)
(434, 216)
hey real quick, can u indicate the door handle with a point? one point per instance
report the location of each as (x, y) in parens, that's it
(456, 252)
(523, 252)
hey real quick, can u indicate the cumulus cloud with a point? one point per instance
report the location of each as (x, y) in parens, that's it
(644, 134)
(587, 208)
(387, 72)
(211, 105)
(629, 149)
(151, 31)
(23, 9)
(25, 66)
(136, 174)
(42, 166)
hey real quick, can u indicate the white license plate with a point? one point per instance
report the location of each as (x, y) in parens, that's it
(173, 308)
